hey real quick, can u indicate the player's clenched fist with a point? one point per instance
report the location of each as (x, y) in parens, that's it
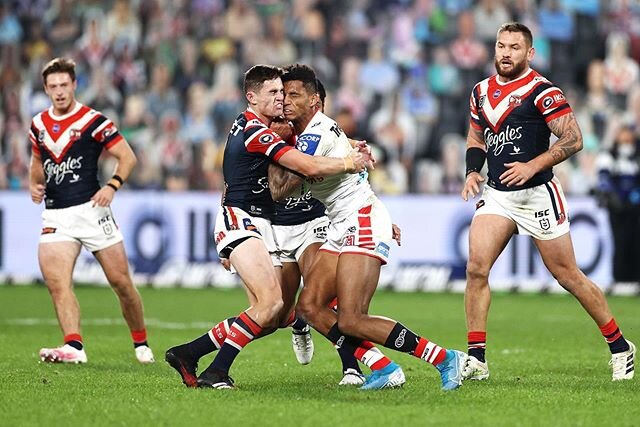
(37, 193)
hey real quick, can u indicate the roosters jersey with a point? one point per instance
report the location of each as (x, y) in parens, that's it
(245, 165)
(342, 194)
(513, 118)
(298, 210)
(69, 147)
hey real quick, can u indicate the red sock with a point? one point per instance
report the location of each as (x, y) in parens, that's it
(219, 332)
(73, 337)
(139, 337)
(611, 331)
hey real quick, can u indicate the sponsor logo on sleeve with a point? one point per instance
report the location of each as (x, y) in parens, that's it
(266, 139)
(547, 102)
(308, 143)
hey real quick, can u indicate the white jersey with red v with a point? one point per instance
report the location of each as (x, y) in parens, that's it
(250, 146)
(69, 147)
(513, 118)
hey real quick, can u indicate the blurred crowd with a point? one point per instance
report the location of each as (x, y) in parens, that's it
(398, 73)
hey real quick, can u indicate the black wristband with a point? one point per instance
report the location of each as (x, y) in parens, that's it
(112, 186)
(118, 178)
(475, 160)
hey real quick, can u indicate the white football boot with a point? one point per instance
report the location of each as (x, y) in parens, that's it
(63, 354)
(302, 344)
(622, 363)
(475, 370)
(144, 354)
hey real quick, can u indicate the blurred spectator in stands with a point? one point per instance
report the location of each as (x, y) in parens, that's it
(378, 75)
(36, 46)
(430, 22)
(556, 25)
(162, 97)
(241, 23)
(123, 27)
(594, 111)
(394, 129)
(350, 94)
(418, 101)
(187, 71)
(226, 98)
(197, 130)
(64, 25)
(129, 75)
(619, 192)
(624, 16)
(306, 26)
(444, 80)
(175, 153)
(468, 53)
(10, 27)
(489, 15)
(94, 46)
(620, 71)
(273, 47)
(101, 93)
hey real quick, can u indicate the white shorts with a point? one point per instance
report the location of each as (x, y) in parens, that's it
(367, 231)
(93, 227)
(292, 240)
(540, 212)
(233, 224)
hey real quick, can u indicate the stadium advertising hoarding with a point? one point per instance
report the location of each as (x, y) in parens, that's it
(168, 239)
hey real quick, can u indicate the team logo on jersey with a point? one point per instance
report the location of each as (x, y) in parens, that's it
(481, 101)
(267, 138)
(74, 134)
(55, 128)
(497, 93)
(515, 100)
(308, 143)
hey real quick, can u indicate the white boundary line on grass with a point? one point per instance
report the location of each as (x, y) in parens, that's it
(155, 323)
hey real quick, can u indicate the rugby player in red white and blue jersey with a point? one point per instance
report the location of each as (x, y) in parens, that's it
(513, 115)
(67, 140)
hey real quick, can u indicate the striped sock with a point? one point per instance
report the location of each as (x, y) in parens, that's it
(139, 338)
(218, 334)
(74, 340)
(613, 337)
(477, 344)
(241, 333)
(364, 351)
(403, 339)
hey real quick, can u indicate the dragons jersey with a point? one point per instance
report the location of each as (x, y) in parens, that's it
(69, 147)
(342, 194)
(513, 117)
(250, 146)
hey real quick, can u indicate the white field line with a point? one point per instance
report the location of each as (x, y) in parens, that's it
(154, 323)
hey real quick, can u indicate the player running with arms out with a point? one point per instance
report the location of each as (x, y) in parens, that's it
(300, 228)
(358, 243)
(66, 141)
(513, 114)
(243, 231)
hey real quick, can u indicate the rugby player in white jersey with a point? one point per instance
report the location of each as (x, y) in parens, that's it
(358, 243)
(67, 140)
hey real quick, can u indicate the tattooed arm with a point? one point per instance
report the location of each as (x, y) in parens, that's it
(569, 142)
(283, 182)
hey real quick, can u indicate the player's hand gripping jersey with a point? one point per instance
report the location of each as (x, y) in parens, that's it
(342, 194)
(513, 118)
(69, 147)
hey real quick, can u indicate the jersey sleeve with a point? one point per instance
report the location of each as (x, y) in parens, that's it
(105, 132)
(474, 119)
(261, 139)
(551, 103)
(34, 134)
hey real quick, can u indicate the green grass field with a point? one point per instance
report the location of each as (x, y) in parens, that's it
(548, 365)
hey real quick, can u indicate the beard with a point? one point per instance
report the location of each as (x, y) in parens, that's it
(517, 69)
